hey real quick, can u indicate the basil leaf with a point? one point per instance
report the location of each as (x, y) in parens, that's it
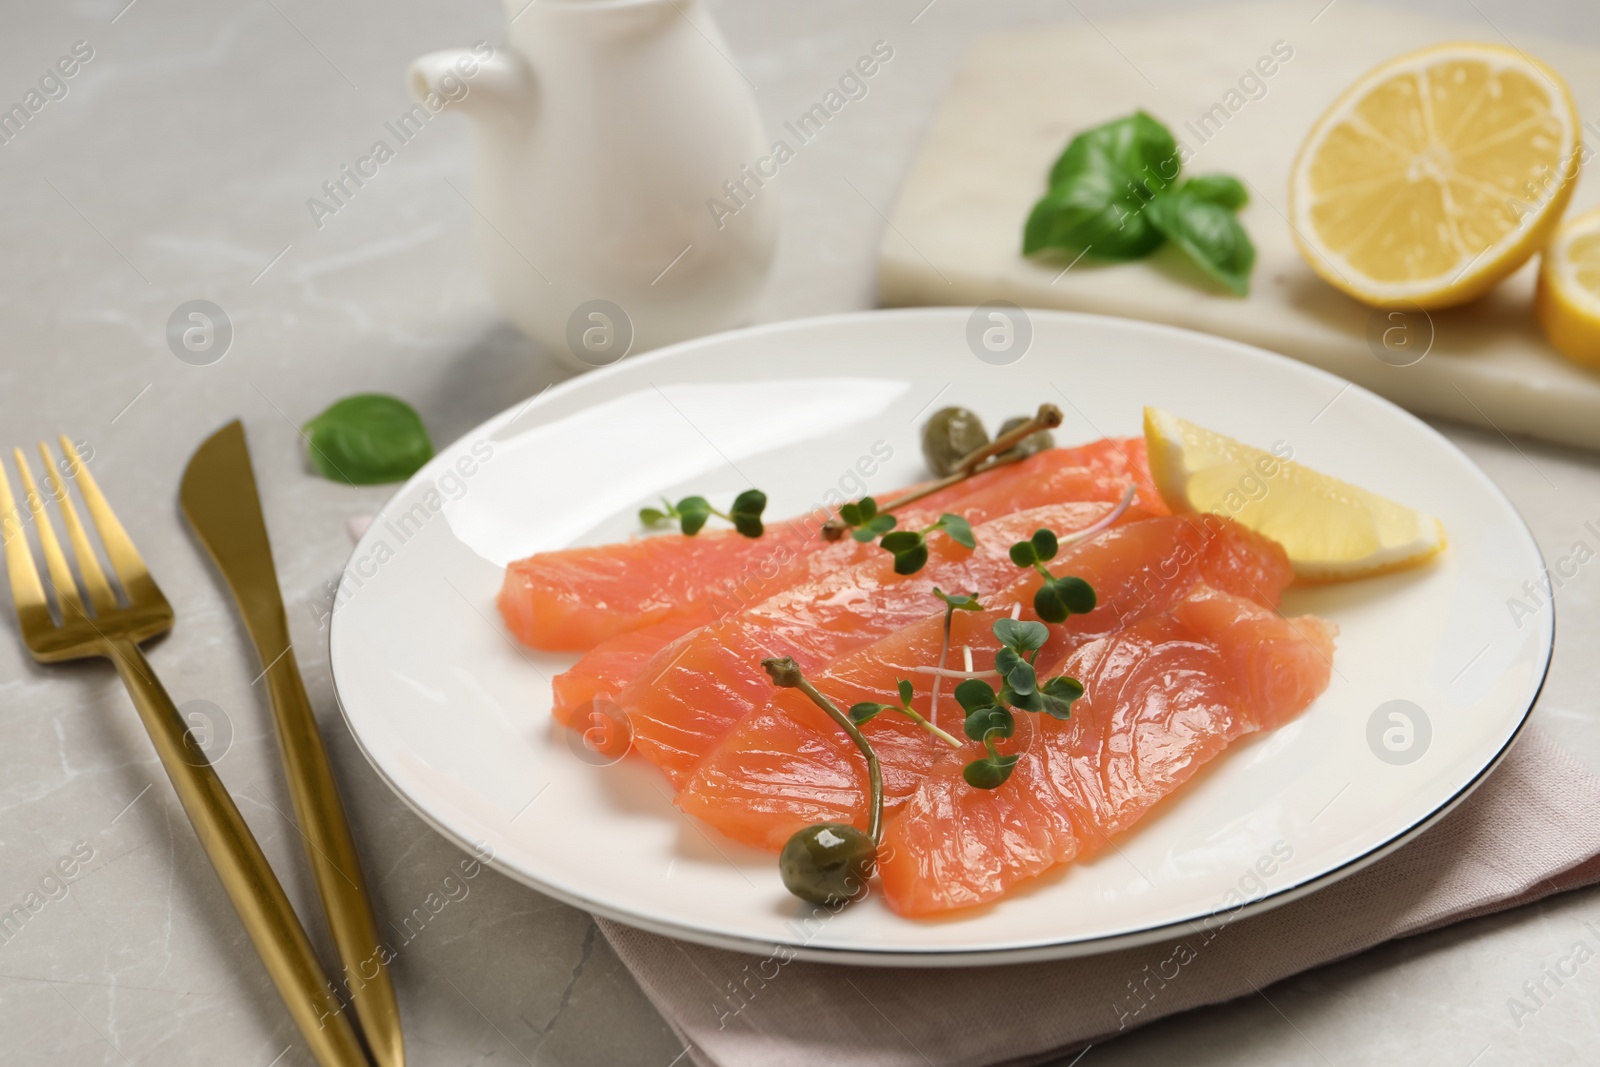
(1094, 213)
(1224, 190)
(1099, 187)
(368, 439)
(1209, 234)
(1137, 146)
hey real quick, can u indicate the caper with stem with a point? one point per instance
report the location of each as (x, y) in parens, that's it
(949, 436)
(829, 863)
(1034, 442)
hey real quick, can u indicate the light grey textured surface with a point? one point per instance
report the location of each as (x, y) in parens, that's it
(178, 167)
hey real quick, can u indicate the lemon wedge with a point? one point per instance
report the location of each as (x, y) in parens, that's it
(1435, 175)
(1568, 298)
(1332, 530)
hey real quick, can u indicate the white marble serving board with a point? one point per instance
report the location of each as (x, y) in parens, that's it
(955, 235)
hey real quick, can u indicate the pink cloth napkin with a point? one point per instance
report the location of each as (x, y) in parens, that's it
(1532, 829)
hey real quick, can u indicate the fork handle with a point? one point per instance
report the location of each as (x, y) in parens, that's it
(257, 896)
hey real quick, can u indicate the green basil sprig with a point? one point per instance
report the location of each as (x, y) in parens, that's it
(1116, 193)
(368, 439)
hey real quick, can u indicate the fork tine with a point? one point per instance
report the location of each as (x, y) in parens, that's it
(26, 589)
(94, 579)
(66, 587)
(125, 559)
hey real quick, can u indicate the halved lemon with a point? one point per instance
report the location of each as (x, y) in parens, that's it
(1568, 298)
(1435, 175)
(1332, 531)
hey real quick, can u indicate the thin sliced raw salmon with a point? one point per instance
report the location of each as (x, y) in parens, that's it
(574, 598)
(787, 765)
(1098, 471)
(1162, 697)
(699, 686)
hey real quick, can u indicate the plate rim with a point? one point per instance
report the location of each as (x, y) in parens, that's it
(945, 956)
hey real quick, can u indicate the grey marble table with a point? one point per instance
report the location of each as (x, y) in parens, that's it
(177, 167)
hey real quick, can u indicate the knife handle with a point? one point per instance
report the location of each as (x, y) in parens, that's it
(253, 889)
(335, 864)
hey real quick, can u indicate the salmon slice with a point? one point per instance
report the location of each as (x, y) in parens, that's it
(1162, 697)
(1098, 471)
(574, 598)
(787, 765)
(697, 688)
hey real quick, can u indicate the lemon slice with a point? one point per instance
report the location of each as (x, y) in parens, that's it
(1435, 175)
(1332, 530)
(1568, 298)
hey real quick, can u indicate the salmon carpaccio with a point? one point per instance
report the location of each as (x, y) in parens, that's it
(1100, 471)
(700, 686)
(573, 599)
(788, 765)
(1162, 697)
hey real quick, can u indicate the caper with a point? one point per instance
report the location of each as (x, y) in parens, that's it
(1034, 442)
(828, 863)
(949, 436)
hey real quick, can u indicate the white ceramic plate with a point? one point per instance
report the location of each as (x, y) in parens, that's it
(455, 715)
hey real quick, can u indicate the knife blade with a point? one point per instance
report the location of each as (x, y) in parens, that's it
(219, 498)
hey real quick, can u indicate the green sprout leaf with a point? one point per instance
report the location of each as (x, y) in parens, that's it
(1023, 554)
(981, 723)
(1059, 695)
(746, 512)
(912, 560)
(1016, 673)
(1045, 545)
(958, 530)
(870, 529)
(652, 517)
(1021, 636)
(958, 602)
(368, 439)
(990, 772)
(905, 690)
(693, 511)
(975, 693)
(1059, 597)
(866, 711)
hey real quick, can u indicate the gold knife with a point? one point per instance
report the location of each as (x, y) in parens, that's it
(220, 501)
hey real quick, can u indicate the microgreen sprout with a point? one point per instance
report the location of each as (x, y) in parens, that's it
(952, 604)
(866, 711)
(829, 863)
(1057, 597)
(865, 523)
(692, 512)
(910, 547)
(989, 713)
(996, 453)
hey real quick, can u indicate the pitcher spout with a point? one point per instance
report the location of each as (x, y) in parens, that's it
(479, 81)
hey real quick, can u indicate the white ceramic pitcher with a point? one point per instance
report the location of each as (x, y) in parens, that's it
(612, 139)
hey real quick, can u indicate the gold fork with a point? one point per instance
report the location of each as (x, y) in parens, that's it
(114, 627)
